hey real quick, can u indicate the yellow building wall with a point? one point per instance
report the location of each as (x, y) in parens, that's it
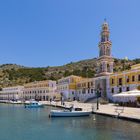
(72, 86)
(131, 75)
(115, 81)
(124, 76)
(138, 73)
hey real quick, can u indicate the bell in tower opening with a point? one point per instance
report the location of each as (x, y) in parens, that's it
(105, 60)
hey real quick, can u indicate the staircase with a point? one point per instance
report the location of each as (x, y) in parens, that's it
(91, 100)
(94, 100)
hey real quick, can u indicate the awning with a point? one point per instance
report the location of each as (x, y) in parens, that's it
(127, 96)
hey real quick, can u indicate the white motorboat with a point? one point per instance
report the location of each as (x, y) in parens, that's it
(75, 112)
(15, 102)
(33, 104)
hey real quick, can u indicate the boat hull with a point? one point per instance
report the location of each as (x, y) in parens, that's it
(55, 113)
(30, 106)
(15, 102)
(33, 104)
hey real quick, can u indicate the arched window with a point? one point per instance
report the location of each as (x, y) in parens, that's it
(108, 67)
(108, 51)
(105, 50)
(101, 68)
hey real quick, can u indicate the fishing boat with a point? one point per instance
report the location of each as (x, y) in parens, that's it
(33, 104)
(72, 112)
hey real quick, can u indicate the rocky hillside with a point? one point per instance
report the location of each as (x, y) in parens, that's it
(12, 74)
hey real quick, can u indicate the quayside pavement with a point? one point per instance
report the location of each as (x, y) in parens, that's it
(113, 110)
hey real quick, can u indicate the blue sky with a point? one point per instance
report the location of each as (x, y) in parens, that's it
(39, 33)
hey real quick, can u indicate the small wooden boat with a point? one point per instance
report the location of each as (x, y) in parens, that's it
(33, 104)
(76, 112)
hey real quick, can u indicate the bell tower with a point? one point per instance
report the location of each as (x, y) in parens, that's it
(105, 60)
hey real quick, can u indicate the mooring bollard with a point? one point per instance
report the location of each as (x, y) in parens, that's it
(119, 111)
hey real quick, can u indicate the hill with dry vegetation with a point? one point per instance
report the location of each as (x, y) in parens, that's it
(12, 74)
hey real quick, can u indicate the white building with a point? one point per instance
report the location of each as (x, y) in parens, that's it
(41, 90)
(11, 93)
(67, 86)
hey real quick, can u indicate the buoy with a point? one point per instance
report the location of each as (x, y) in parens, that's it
(94, 118)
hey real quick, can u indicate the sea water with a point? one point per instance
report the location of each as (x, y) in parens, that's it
(19, 123)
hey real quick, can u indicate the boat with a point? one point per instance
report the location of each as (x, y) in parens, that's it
(15, 102)
(33, 104)
(72, 112)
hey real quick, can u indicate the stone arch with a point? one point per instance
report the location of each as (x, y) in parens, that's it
(108, 51)
(105, 50)
(108, 68)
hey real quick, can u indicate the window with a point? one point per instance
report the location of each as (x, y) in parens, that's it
(112, 81)
(133, 78)
(120, 81)
(120, 90)
(127, 88)
(127, 80)
(88, 91)
(83, 91)
(88, 84)
(138, 77)
(91, 90)
(112, 90)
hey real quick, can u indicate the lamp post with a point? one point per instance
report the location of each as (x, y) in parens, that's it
(97, 95)
(61, 98)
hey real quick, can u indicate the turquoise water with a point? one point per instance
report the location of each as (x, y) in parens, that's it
(18, 123)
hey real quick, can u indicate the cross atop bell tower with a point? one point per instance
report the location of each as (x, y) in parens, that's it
(105, 60)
